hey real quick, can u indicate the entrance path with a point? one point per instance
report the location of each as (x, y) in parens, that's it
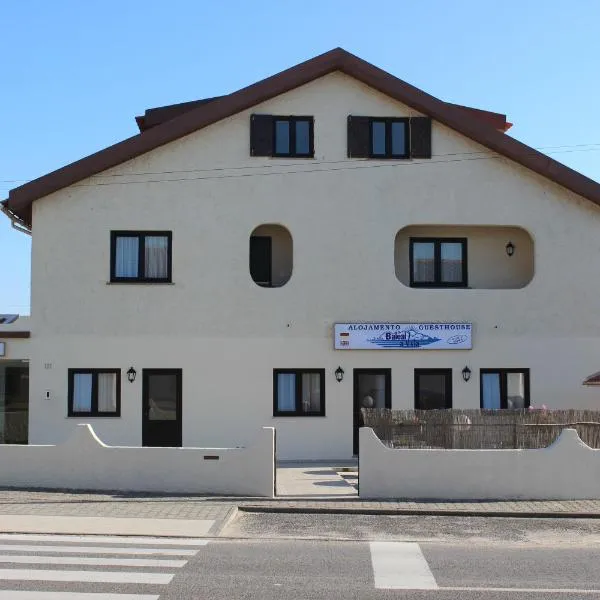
(314, 480)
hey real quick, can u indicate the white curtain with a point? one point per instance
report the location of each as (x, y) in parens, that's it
(490, 383)
(515, 390)
(451, 258)
(423, 262)
(107, 392)
(286, 392)
(82, 392)
(127, 257)
(157, 256)
(311, 392)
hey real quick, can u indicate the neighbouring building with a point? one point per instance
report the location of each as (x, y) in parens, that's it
(325, 239)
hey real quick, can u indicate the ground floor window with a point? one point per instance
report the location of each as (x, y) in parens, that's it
(14, 402)
(433, 389)
(504, 388)
(95, 392)
(299, 392)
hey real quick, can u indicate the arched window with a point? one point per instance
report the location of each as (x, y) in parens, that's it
(271, 255)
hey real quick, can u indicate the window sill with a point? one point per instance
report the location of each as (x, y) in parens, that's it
(84, 416)
(140, 283)
(287, 416)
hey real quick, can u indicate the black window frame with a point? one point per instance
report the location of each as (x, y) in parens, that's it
(93, 412)
(448, 391)
(298, 412)
(388, 137)
(292, 120)
(437, 262)
(503, 386)
(141, 235)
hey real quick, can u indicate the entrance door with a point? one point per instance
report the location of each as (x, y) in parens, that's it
(372, 389)
(161, 406)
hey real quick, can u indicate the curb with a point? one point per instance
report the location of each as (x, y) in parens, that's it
(416, 512)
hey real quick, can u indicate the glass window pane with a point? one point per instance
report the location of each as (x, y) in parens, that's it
(432, 391)
(378, 143)
(162, 397)
(515, 390)
(282, 137)
(126, 258)
(311, 392)
(399, 139)
(423, 262)
(82, 392)
(156, 253)
(107, 392)
(451, 262)
(302, 137)
(490, 391)
(286, 392)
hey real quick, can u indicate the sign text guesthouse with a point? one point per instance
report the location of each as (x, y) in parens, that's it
(403, 336)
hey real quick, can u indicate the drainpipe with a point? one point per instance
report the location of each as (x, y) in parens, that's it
(16, 223)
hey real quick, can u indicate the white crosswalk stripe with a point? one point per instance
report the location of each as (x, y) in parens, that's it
(400, 566)
(107, 560)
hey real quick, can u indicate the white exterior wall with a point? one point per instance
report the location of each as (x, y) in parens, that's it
(228, 334)
(84, 462)
(541, 474)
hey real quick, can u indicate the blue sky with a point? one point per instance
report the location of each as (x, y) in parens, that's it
(74, 74)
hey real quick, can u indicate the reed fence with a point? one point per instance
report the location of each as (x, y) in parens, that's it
(479, 429)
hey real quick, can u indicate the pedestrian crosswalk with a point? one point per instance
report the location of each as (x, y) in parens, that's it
(71, 567)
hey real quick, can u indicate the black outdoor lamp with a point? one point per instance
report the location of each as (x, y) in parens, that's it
(339, 374)
(131, 373)
(510, 248)
(466, 373)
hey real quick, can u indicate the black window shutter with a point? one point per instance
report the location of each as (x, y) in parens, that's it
(420, 137)
(261, 135)
(261, 259)
(358, 137)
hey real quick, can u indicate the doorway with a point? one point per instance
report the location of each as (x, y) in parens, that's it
(372, 389)
(161, 407)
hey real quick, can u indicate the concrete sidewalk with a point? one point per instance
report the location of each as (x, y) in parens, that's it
(140, 508)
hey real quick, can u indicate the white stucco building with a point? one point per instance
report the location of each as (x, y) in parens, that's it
(215, 253)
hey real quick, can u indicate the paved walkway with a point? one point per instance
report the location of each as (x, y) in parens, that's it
(302, 488)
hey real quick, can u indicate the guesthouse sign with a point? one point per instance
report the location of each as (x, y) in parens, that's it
(403, 336)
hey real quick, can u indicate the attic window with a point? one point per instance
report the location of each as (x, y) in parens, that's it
(281, 136)
(389, 137)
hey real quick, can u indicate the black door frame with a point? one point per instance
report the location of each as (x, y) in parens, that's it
(356, 411)
(448, 387)
(145, 408)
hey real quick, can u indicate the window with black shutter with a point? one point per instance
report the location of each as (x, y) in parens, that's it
(284, 136)
(261, 260)
(389, 137)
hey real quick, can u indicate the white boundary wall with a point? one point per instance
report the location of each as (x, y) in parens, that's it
(566, 470)
(84, 462)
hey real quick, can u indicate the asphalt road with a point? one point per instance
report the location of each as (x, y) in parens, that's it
(315, 556)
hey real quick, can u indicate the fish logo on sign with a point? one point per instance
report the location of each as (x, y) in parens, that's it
(407, 338)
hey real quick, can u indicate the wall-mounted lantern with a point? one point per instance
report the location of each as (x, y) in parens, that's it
(510, 249)
(339, 374)
(131, 373)
(466, 373)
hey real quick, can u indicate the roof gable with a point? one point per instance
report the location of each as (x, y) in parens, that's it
(461, 119)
